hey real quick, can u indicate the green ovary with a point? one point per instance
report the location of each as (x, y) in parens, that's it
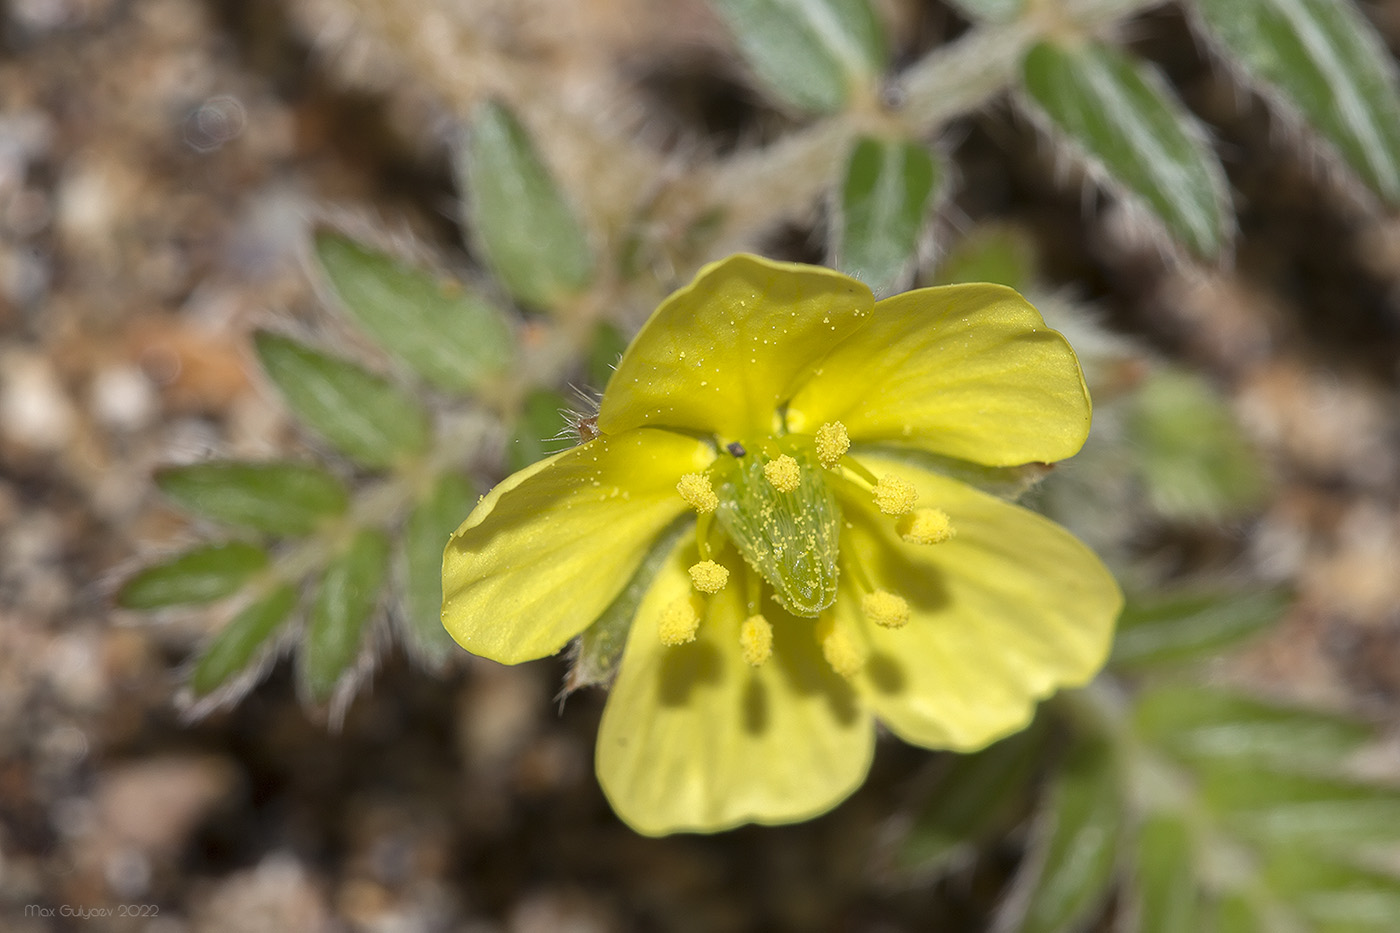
(791, 538)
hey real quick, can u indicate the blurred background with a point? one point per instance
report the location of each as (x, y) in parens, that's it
(162, 163)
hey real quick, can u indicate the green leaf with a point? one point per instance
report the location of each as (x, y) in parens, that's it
(450, 336)
(999, 253)
(995, 11)
(541, 430)
(368, 418)
(977, 797)
(347, 599)
(888, 189)
(201, 575)
(1276, 807)
(430, 524)
(1198, 722)
(1236, 914)
(1322, 61)
(1122, 118)
(1167, 899)
(278, 498)
(1332, 894)
(812, 54)
(1194, 461)
(1075, 848)
(238, 645)
(1171, 628)
(526, 226)
(595, 654)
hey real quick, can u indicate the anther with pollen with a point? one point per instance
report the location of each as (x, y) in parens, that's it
(894, 496)
(839, 649)
(926, 526)
(783, 473)
(696, 490)
(679, 622)
(885, 609)
(832, 443)
(708, 576)
(756, 640)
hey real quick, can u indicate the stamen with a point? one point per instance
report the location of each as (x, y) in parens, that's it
(832, 443)
(708, 576)
(702, 534)
(679, 622)
(926, 526)
(894, 496)
(860, 470)
(756, 640)
(695, 489)
(840, 650)
(885, 608)
(783, 473)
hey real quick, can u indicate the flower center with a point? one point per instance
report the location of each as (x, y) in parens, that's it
(773, 500)
(777, 509)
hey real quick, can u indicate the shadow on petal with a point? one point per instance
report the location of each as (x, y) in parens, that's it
(756, 711)
(684, 668)
(885, 673)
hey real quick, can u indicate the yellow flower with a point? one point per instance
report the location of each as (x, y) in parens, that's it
(790, 420)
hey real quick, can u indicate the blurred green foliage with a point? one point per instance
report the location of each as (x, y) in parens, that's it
(1183, 806)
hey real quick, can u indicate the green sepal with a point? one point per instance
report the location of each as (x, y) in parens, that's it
(241, 641)
(368, 418)
(345, 603)
(429, 525)
(595, 655)
(812, 54)
(790, 538)
(277, 498)
(889, 187)
(527, 228)
(1121, 117)
(448, 334)
(1321, 60)
(1173, 628)
(200, 575)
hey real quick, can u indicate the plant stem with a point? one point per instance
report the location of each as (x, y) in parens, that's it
(953, 80)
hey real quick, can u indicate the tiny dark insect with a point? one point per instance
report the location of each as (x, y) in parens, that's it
(736, 448)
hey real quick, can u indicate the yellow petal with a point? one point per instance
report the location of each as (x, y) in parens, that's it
(1001, 615)
(966, 371)
(720, 354)
(546, 550)
(696, 738)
